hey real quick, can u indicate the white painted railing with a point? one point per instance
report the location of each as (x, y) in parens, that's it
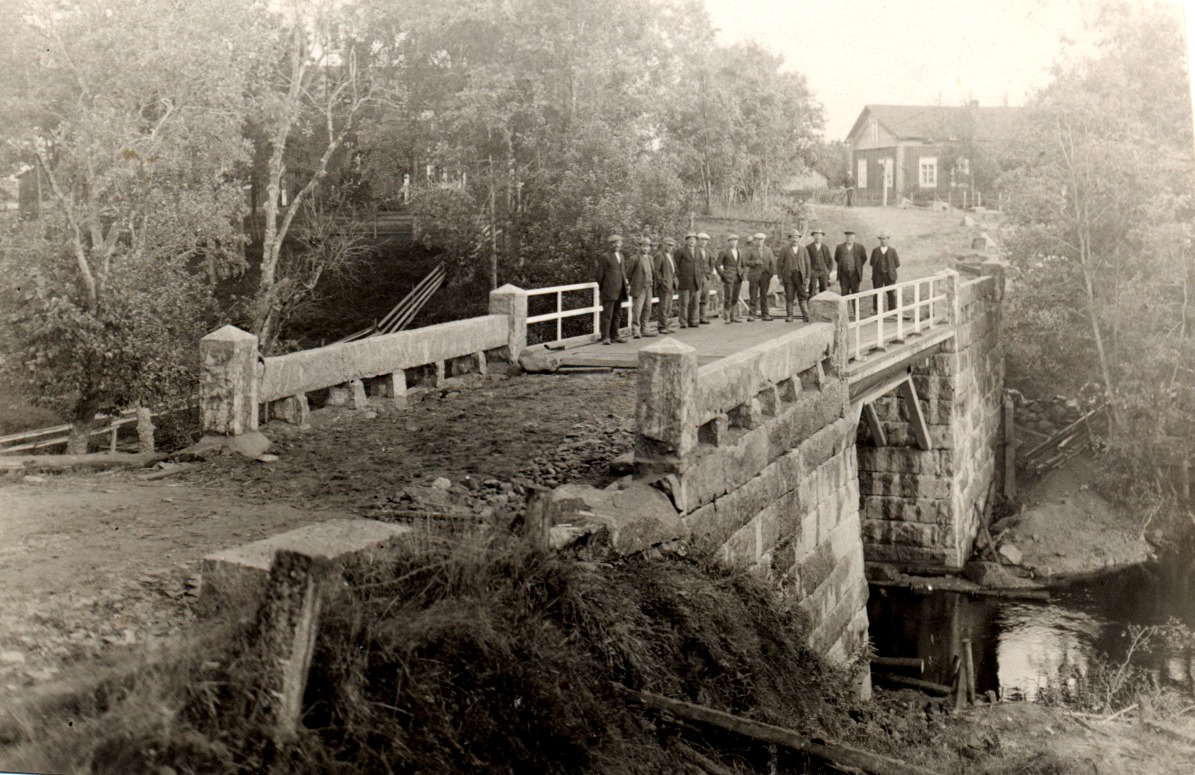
(595, 309)
(920, 306)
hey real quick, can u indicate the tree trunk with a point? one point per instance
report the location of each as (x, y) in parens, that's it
(82, 420)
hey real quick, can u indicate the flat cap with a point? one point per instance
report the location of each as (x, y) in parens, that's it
(794, 233)
(848, 231)
(669, 241)
(645, 240)
(817, 231)
(614, 238)
(884, 235)
(691, 235)
(732, 237)
(703, 235)
(760, 235)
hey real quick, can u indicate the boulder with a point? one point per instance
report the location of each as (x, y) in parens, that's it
(539, 361)
(1010, 554)
(634, 518)
(988, 574)
(252, 445)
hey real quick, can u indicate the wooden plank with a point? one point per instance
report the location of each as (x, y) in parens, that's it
(873, 423)
(908, 391)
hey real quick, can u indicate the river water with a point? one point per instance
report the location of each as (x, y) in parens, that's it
(1017, 646)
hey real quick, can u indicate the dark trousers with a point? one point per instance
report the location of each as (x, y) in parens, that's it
(611, 318)
(757, 291)
(796, 290)
(730, 299)
(818, 283)
(881, 281)
(664, 306)
(849, 283)
(690, 303)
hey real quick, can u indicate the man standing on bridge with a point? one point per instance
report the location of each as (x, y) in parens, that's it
(688, 281)
(642, 285)
(850, 257)
(663, 270)
(706, 272)
(794, 275)
(819, 264)
(767, 267)
(730, 269)
(884, 262)
(612, 289)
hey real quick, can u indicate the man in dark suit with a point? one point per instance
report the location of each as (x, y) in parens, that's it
(664, 274)
(730, 269)
(884, 263)
(705, 274)
(612, 289)
(794, 276)
(642, 282)
(819, 264)
(688, 282)
(850, 257)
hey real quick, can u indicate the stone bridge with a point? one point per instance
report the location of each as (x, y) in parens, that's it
(799, 450)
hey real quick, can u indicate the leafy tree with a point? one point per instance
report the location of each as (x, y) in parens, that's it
(1101, 240)
(133, 116)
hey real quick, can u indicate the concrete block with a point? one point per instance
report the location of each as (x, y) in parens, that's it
(294, 410)
(715, 432)
(724, 470)
(510, 302)
(228, 386)
(665, 416)
(748, 415)
(393, 386)
(769, 400)
(234, 578)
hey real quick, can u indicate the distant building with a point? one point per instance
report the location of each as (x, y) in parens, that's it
(924, 152)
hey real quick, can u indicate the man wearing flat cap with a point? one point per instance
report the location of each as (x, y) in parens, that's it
(705, 270)
(688, 281)
(612, 289)
(794, 276)
(820, 262)
(663, 269)
(641, 282)
(884, 263)
(730, 270)
(766, 267)
(850, 257)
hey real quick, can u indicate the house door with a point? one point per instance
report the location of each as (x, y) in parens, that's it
(886, 166)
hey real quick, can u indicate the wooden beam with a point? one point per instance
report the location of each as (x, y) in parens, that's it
(916, 417)
(873, 422)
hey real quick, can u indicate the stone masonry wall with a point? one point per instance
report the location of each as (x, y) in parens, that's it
(760, 453)
(919, 507)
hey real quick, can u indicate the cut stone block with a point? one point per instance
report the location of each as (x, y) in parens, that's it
(235, 578)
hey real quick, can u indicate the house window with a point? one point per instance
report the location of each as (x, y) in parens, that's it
(928, 177)
(861, 173)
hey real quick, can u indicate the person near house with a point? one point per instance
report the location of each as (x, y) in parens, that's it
(884, 263)
(849, 185)
(730, 269)
(640, 279)
(794, 276)
(663, 272)
(850, 257)
(767, 268)
(688, 282)
(612, 289)
(820, 262)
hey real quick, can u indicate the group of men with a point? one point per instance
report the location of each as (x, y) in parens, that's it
(693, 270)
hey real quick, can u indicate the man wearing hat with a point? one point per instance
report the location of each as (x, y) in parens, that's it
(850, 257)
(730, 269)
(794, 275)
(639, 277)
(758, 288)
(663, 270)
(688, 281)
(819, 264)
(884, 262)
(705, 270)
(612, 289)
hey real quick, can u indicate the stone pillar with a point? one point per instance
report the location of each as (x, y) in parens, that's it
(357, 397)
(512, 302)
(394, 387)
(228, 382)
(665, 417)
(829, 307)
(145, 430)
(482, 367)
(292, 409)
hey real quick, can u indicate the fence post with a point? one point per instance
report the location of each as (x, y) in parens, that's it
(228, 382)
(511, 301)
(145, 430)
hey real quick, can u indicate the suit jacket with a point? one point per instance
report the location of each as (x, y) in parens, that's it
(663, 269)
(884, 266)
(710, 265)
(793, 258)
(611, 277)
(688, 277)
(752, 261)
(730, 266)
(639, 274)
(819, 258)
(850, 262)
(767, 260)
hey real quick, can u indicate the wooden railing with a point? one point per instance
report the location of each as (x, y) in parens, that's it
(594, 309)
(921, 305)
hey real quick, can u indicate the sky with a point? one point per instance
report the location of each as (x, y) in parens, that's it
(913, 52)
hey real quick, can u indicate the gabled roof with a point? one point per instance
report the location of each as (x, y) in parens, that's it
(938, 122)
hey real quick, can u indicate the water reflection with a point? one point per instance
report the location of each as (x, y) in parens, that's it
(1017, 646)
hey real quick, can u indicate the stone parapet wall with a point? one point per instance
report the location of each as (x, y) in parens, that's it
(922, 507)
(759, 454)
